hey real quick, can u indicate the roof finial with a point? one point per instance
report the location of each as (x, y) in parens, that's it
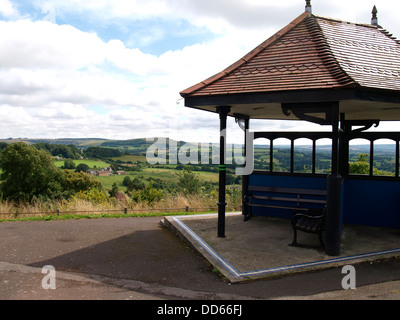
(308, 6)
(374, 20)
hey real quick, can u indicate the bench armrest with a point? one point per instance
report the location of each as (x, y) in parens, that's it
(299, 215)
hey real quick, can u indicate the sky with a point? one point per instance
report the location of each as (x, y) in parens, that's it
(113, 69)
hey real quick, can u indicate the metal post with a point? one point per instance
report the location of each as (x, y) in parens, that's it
(223, 114)
(245, 178)
(334, 197)
(344, 147)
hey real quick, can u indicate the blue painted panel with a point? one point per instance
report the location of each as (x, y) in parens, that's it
(371, 203)
(286, 181)
(364, 202)
(283, 181)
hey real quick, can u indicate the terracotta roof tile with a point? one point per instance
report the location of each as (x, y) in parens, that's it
(311, 53)
(366, 53)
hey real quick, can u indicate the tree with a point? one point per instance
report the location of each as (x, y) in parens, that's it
(28, 173)
(114, 191)
(361, 166)
(82, 167)
(189, 182)
(127, 180)
(3, 145)
(98, 152)
(69, 164)
(135, 184)
(74, 182)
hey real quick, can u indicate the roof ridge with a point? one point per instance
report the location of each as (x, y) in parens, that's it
(248, 56)
(327, 54)
(346, 21)
(388, 34)
(377, 27)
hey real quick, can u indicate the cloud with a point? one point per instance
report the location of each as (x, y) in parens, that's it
(67, 80)
(7, 9)
(54, 79)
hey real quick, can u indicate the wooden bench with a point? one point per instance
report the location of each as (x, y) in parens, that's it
(308, 207)
(312, 222)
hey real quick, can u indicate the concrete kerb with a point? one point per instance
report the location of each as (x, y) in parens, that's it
(175, 225)
(227, 267)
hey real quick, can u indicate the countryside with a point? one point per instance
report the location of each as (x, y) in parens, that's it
(71, 178)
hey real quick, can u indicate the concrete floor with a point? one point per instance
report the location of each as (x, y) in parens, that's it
(259, 248)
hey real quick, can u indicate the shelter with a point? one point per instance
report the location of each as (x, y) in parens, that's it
(338, 74)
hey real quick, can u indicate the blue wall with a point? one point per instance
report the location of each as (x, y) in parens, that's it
(364, 202)
(283, 181)
(371, 202)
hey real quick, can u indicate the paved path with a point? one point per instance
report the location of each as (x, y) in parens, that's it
(134, 258)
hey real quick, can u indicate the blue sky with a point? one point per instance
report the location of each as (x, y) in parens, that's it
(154, 35)
(114, 69)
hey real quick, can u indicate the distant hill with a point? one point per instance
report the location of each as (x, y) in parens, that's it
(142, 144)
(84, 142)
(384, 154)
(132, 144)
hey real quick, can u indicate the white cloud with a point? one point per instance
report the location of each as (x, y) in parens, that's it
(39, 45)
(7, 9)
(59, 81)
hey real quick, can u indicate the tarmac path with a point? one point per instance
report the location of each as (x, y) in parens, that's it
(136, 259)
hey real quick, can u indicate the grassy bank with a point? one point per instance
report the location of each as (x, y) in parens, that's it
(76, 208)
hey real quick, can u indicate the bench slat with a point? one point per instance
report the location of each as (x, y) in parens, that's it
(288, 190)
(276, 207)
(290, 197)
(299, 200)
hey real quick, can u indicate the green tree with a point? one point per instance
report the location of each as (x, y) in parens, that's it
(69, 164)
(361, 166)
(82, 167)
(149, 194)
(188, 182)
(127, 180)
(114, 191)
(74, 182)
(28, 173)
(135, 184)
(3, 145)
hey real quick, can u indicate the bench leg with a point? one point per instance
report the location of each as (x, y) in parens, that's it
(294, 242)
(321, 240)
(249, 214)
(247, 218)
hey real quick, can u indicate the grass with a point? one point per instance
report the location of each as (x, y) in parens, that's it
(167, 175)
(83, 209)
(171, 175)
(97, 216)
(91, 163)
(132, 158)
(108, 181)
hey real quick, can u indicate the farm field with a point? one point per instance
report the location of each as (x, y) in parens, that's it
(167, 175)
(91, 163)
(130, 158)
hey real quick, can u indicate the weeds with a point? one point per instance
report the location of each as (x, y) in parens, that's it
(93, 205)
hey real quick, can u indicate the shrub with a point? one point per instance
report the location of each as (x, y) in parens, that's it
(28, 173)
(94, 195)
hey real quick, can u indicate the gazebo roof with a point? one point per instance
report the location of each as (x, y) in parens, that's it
(311, 60)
